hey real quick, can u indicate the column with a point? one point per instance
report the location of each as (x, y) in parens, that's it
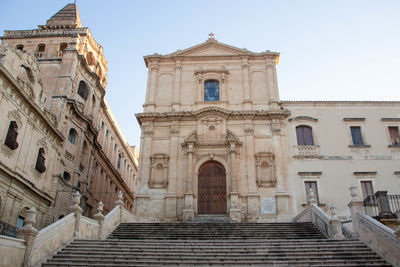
(177, 86)
(272, 81)
(188, 212)
(170, 198)
(246, 82)
(153, 83)
(253, 207)
(234, 211)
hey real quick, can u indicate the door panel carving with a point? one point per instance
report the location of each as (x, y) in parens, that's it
(212, 188)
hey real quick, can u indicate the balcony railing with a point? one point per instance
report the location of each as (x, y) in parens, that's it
(381, 204)
(306, 151)
(7, 229)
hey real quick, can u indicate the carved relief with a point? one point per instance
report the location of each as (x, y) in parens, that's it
(265, 169)
(159, 170)
(15, 116)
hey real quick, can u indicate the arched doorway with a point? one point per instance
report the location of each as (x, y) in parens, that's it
(211, 188)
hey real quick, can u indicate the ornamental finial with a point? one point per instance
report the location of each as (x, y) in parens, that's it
(211, 35)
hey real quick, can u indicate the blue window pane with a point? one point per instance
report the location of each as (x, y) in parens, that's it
(356, 135)
(211, 90)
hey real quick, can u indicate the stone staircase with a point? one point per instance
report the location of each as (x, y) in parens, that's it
(216, 244)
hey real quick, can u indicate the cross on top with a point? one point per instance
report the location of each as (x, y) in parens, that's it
(211, 35)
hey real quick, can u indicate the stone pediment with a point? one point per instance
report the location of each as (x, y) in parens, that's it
(211, 48)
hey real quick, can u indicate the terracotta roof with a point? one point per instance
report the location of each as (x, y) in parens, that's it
(67, 17)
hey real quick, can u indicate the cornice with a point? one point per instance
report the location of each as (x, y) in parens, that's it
(227, 114)
(339, 102)
(41, 33)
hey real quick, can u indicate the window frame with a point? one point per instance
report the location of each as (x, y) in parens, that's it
(356, 138)
(304, 136)
(12, 135)
(394, 139)
(204, 90)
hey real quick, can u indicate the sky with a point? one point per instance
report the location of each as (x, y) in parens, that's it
(329, 50)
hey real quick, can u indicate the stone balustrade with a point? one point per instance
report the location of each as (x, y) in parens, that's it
(33, 247)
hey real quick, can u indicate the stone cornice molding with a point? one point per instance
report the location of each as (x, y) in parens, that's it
(303, 118)
(226, 114)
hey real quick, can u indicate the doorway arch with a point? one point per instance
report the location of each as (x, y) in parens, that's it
(211, 188)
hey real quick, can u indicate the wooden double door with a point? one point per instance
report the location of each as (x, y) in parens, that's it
(211, 188)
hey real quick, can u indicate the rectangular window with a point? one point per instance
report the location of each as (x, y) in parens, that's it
(366, 187)
(394, 135)
(313, 185)
(356, 135)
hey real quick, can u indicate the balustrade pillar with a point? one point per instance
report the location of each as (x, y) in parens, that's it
(355, 206)
(188, 212)
(28, 233)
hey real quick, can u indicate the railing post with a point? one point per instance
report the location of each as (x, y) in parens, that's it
(335, 224)
(29, 233)
(75, 208)
(383, 204)
(355, 205)
(312, 200)
(100, 218)
(397, 232)
(120, 203)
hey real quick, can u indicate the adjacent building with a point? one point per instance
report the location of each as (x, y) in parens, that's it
(58, 133)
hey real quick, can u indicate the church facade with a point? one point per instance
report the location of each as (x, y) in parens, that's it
(216, 139)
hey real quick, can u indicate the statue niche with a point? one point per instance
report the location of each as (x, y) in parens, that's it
(265, 169)
(159, 171)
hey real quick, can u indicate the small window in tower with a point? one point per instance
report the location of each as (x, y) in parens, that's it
(19, 47)
(72, 136)
(40, 50)
(61, 49)
(211, 90)
(12, 134)
(40, 161)
(83, 90)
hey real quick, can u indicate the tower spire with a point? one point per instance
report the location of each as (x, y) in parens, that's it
(67, 17)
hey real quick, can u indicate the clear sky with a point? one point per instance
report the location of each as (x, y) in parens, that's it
(330, 50)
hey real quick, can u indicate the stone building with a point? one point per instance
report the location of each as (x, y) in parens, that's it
(59, 134)
(216, 139)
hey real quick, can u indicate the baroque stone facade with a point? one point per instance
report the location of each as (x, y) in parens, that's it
(217, 139)
(58, 133)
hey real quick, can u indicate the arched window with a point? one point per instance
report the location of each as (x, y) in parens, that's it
(304, 136)
(119, 161)
(12, 134)
(83, 90)
(211, 90)
(19, 47)
(40, 161)
(40, 50)
(61, 49)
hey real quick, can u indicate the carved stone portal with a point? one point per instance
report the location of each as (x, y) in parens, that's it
(159, 171)
(265, 169)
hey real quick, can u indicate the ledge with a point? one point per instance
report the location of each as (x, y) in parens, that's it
(359, 146)
(310, 173)
(391, 119)
(353, 119)
(394, 146)
(365, 173)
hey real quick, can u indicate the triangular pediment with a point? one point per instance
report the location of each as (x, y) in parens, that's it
(211, 48)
